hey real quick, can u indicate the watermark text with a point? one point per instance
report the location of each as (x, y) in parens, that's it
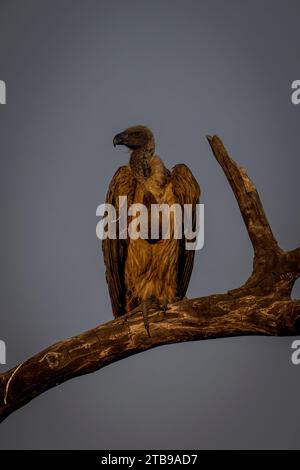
(2, 92)
(295, 358)
(2, 352)
(159, 222)
(296, 93)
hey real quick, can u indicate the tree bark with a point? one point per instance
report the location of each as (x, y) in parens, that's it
(262, 306)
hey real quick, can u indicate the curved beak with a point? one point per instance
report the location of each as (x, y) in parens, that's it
(120, 139)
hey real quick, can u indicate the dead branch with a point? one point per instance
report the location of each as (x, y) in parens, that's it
(262, 306)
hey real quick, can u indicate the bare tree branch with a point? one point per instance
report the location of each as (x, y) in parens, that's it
(274, 270)
(262, 306)
(248, 199)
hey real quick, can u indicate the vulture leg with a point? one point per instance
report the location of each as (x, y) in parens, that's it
(144, 307)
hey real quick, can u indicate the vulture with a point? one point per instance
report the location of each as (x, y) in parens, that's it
(145, 273)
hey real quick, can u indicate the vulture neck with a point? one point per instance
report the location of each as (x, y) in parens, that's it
(139, 162)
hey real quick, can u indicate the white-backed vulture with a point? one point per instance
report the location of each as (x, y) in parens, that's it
(143, 271)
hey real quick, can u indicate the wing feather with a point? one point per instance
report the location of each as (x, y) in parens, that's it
(115, 251)
(186, 191)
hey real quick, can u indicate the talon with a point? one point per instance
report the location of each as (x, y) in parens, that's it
(145, 312)
(144, 309)
(179, 299)
(164, 306)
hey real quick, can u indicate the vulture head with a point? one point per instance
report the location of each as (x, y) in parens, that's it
(136, 138)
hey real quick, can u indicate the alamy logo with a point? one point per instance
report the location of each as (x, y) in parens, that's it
(2, 92)
(295, 358)
(161, 221)
(2, 352)
(296, 93)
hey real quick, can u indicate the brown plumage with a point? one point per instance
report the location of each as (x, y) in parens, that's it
(141, 270)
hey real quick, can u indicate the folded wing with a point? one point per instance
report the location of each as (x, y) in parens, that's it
(186, 191)
(115, 251)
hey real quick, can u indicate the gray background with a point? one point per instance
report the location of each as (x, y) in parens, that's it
(77, 72)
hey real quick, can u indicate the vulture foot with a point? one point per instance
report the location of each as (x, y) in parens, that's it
(150, 304)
